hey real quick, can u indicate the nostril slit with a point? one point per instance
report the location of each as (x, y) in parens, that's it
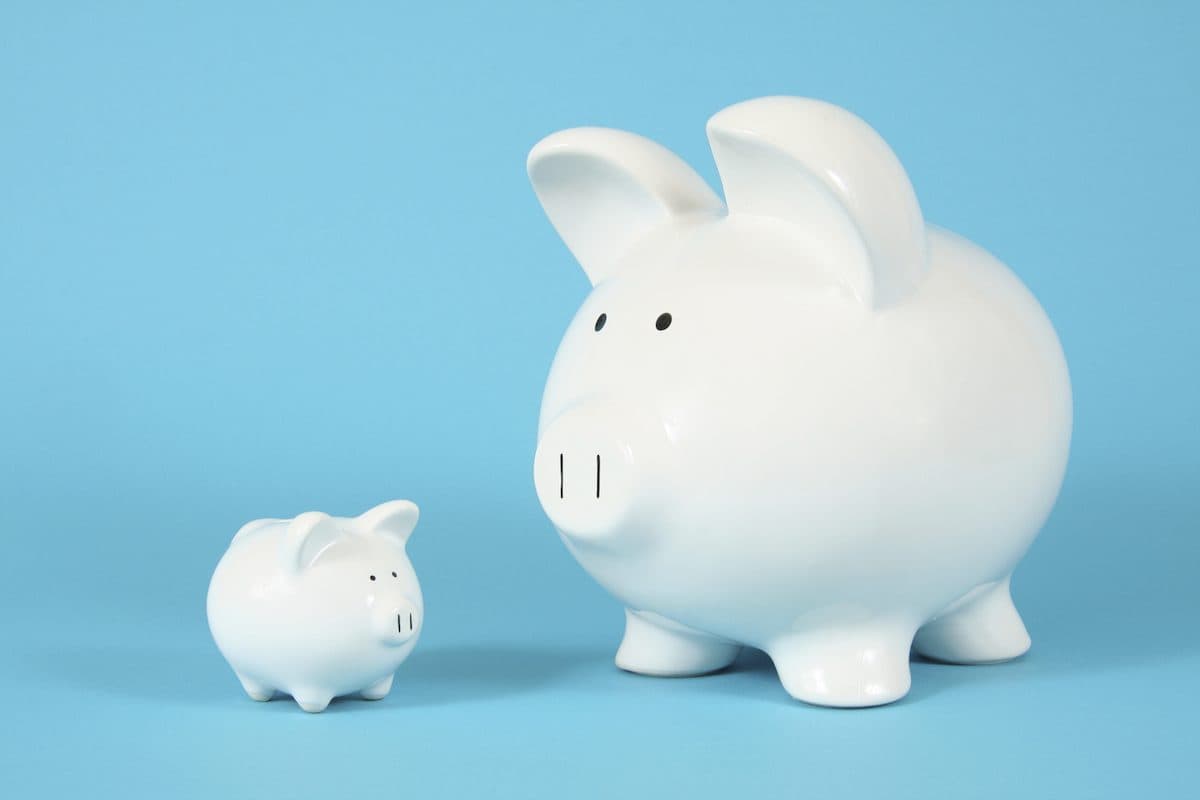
(597, 476)
(411, 627)
(399, 624)
(560, 476)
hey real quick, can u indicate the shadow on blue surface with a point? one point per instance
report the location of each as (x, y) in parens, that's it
(195, 675)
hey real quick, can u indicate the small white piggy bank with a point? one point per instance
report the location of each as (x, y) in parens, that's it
(318, 606)
(799, 419)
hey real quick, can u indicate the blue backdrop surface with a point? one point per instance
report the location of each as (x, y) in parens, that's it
(259, 260)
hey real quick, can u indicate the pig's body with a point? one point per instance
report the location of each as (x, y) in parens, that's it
(317, 607)
(788, 466)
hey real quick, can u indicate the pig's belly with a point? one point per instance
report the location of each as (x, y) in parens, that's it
(755, 568)
(894, 496)
(289, 641)
(278, 650)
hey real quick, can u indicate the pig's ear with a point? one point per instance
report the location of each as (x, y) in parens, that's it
(307, 536)
(604, 189)
(824, 169)
(396, 519)
(250, 527)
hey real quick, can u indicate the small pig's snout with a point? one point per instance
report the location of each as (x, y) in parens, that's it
(396, 624)
(585, 471)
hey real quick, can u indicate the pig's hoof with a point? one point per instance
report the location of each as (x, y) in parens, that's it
(982, 627)
(656, 646)
(851, 669)
(378, 690)
(257, 691)
(312, 702)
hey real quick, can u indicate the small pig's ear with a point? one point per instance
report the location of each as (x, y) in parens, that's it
(250, 527)
(307, 536)
(819, 166)
(395, 519)
(604, 189)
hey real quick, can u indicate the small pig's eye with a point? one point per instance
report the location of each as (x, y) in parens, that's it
(600, 320)
(394, 575)
(372, 577)
(663, 322)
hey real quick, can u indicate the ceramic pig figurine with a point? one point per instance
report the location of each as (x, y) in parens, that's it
(800, 420)
(318, 606)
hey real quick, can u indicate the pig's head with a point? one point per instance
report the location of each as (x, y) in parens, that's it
(822, 227)
(358, 569)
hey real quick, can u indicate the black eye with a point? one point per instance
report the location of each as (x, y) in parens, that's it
(600, 320)
(663, 322)
(372, 577)
(394, 575)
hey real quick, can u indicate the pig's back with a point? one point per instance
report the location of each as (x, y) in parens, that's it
(984, 372)
(931, 433)
(251, 607)
(986, 382)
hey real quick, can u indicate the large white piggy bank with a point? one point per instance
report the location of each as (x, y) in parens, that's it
(801, 420)
(318, 606)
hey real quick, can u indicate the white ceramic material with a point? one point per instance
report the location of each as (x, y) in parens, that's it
(800, 420)
(318, 606)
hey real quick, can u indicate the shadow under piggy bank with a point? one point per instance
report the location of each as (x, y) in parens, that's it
(199, 676)
(459, 674)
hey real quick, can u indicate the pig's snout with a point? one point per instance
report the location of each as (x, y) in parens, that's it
(395, 624)
(586, 471)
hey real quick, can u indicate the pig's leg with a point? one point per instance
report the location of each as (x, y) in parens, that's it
(852, 666)
(257, 691)
(378, 690)
(654, 645)
(312, 700)
(981, 627)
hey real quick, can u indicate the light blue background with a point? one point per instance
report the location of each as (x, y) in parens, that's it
(260, 260)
